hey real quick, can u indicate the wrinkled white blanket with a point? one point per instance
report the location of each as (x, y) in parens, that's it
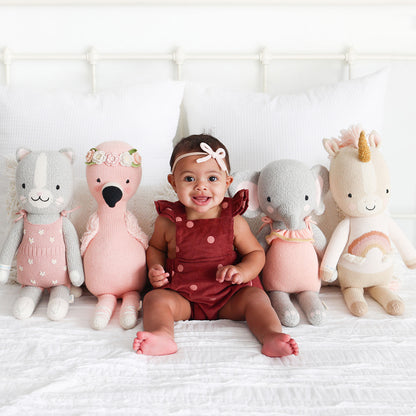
(348, 366)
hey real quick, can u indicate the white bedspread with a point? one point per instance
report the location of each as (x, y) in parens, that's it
(348, 366)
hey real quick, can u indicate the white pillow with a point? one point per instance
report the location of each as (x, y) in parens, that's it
(145, 116)
(257, 128)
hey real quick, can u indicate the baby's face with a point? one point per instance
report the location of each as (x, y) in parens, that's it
(200, 187)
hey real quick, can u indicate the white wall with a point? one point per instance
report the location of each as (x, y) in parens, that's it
(245, 29)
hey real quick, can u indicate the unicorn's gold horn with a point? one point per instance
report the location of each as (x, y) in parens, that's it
(364, 153)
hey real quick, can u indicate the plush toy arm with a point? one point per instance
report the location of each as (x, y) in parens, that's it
(402, 243)
(135, 231)
(334, 250)
(73, 255)
(93, 226)
(9, 249)
(320, 241)
(261, 237)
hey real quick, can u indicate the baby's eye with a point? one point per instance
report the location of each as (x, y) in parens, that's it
(212, 178)
(189, 178)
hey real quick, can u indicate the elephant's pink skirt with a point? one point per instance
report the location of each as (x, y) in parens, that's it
(291, 266)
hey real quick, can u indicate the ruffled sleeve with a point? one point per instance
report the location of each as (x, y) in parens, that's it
(240, 202)
(168, 209)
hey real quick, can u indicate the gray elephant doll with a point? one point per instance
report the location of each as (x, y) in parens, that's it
(42, 237)
(288, 192)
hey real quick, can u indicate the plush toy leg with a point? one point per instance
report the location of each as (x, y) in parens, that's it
(103, 311)
(387, 299)
(284, 308)
(354, 298)
(58, 303)
(129, 310)
(27, 301)
(312, 306)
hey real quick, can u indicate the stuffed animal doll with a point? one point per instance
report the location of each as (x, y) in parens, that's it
(48, 254)
(360, 247)
(113, 246)
(288, 192)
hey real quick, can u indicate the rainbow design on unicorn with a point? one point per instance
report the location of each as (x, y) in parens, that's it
(369, 241)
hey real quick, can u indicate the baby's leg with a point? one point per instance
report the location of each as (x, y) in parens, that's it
(27, 301)
(129, 309)
(284, 308)
(312, 306)
(103, 311)
(58, 304)
(161, 308)
(253, 305)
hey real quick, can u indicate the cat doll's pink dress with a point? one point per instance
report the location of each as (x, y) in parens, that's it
(201, 247)
(41, 256)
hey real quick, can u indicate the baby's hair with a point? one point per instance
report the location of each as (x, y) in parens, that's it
(193, 144)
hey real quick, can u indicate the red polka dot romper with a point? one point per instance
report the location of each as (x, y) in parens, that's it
(201, 247)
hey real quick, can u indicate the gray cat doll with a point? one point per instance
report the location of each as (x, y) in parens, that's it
(42, 237)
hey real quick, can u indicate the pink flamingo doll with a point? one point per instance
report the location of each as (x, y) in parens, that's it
(113, 247)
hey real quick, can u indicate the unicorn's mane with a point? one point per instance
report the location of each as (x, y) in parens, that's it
(349, 137)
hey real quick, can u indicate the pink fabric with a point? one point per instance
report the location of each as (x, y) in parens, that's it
(202, 246)
(114, 260)
(304, 235)
(291, 261)
(41, 258)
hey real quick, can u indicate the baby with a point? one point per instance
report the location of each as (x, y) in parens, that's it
(203, 259)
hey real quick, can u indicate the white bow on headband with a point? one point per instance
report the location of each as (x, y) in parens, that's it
(218, 155)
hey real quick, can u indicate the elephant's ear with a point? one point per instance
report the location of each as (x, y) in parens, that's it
(322, 185)
(21, 153)
(247, 180)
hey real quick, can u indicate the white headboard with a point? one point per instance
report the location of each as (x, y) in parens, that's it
(270, 45)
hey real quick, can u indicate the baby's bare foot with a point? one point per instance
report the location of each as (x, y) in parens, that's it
(149, 343)
(279, 345)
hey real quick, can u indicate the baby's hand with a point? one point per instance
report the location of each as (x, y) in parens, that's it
(157, 276)
(229, 273)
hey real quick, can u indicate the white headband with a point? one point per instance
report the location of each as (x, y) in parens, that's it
(208, 154)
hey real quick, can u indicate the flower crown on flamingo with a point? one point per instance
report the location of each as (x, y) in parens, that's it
(131, 158)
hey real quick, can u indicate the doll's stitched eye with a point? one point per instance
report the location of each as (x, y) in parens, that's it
(349, 195)
(58, 187)
(128, 181)
(306, 197)
(98, 180)
(269, 199)
(23, 185)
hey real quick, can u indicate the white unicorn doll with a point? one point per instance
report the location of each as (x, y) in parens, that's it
(360, 249)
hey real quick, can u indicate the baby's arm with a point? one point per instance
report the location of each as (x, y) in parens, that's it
(252, 253)
(156, 254)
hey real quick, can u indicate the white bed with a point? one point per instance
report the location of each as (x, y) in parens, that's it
(347, 366)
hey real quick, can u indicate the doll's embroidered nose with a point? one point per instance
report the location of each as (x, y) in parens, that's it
(112, 193)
